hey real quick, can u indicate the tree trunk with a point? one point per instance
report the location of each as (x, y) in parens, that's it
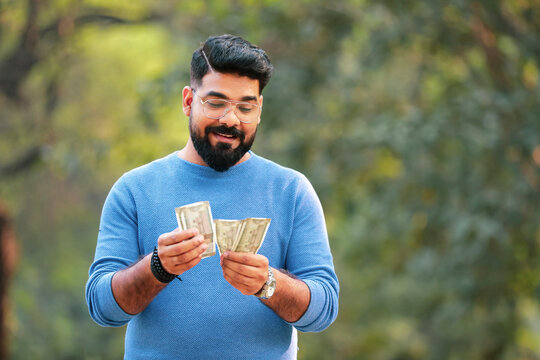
(7, 264)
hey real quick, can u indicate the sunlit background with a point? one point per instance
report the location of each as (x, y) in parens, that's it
(418, 123)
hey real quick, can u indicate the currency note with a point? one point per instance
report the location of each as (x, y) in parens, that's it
(251, 235)
(198, 215)
(236, 239)
(226, 233)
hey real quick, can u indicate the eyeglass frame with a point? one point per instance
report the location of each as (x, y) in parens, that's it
(232, 103)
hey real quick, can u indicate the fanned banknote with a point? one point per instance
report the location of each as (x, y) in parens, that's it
(226, 233)
(198, 215)
(245, 235)
(251, 235)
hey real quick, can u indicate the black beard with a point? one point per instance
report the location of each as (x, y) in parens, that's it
(222, 156)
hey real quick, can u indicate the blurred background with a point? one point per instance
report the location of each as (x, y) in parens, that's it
(418, 123)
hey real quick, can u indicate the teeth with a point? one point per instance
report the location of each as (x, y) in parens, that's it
(226, 135)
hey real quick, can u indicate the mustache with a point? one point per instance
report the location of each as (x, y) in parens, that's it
(225, 130)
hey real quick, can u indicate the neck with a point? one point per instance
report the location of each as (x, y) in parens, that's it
(189, 153)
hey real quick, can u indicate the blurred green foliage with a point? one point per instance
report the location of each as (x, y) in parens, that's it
(418, 122)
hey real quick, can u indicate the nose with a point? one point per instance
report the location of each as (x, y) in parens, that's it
(229, 119)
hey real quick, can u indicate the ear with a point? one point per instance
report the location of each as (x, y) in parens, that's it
(261, 104)
(187, 100)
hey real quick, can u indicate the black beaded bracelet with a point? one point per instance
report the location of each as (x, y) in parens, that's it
(159, 272)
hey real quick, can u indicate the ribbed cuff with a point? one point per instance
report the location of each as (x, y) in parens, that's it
(316, 304)
(110, 308)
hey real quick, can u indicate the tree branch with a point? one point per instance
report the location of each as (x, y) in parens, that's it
(486, 38)
(24, 56)
(27, 159)
(16, 67)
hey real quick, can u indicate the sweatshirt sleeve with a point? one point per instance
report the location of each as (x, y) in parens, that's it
(117, 248)
(309, 258)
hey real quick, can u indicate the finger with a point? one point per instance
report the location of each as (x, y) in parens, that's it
(190, 264)
(189, 255)
(186, 261)
(246, 258)
(238, 280)
(182, 247)
(176, 236)
(246, 270)
(186, 266)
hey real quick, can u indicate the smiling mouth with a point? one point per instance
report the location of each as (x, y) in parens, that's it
(226, 135)
(224, 138)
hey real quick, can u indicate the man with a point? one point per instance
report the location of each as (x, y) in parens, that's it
(238, 305)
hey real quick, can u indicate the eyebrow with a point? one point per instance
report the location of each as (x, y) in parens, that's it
(223, 96)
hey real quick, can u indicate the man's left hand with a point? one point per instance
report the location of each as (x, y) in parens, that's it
(246, 272)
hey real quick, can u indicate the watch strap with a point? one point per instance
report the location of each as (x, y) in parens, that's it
(270, 282)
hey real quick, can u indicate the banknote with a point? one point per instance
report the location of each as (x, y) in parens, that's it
(245, 235)
(251, 235)
(226, 233)
(198, 215)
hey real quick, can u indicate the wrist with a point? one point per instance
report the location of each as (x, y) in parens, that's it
(158, 270)
(269, 286)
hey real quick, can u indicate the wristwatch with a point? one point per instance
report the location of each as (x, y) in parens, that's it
(269, 287)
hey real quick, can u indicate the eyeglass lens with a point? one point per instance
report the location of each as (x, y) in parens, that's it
(217, 108)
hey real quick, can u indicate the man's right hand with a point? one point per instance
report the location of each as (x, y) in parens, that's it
(180, 250)
(134, 287)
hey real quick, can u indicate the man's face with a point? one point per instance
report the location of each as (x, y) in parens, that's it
(221, 143)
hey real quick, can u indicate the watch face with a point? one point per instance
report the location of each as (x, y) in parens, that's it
(270, 291)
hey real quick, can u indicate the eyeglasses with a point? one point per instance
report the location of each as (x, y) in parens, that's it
(217, 108)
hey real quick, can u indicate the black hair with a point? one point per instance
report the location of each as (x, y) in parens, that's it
(231, 54)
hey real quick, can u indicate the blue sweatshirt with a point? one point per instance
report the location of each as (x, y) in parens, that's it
(203, 316)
